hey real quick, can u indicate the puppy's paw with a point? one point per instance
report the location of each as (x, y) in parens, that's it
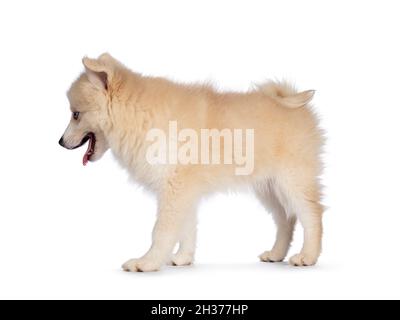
(271, 256)
(303, 260)
(180, 259)
(141, 265)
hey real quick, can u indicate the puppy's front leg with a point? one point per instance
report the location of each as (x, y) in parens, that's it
(187, 243)
(174, 206)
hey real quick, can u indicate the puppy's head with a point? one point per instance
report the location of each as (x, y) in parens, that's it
(89, 98)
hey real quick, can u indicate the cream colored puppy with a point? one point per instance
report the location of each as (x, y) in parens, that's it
(272, 129)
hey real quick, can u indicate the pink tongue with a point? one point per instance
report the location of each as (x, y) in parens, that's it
(85, 159)
(88, 152)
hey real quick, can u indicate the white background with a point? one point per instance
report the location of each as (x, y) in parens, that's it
(65, 229)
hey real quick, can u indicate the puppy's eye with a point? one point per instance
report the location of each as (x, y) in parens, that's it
(75, 115)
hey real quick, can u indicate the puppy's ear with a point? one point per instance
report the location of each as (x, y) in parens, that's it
(99, 74)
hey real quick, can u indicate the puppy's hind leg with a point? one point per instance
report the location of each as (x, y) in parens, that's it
(285, 223)
(304, 196)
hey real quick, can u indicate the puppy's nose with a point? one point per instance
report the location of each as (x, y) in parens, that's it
(61, 142)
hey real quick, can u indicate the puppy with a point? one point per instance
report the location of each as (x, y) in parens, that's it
(183, 142)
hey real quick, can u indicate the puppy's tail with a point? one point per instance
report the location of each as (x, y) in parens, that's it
(286, 94)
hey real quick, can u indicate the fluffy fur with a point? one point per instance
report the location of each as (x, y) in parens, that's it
(120, 106)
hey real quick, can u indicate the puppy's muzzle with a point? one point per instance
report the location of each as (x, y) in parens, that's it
(61, 142)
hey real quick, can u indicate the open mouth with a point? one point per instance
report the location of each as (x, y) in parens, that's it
(90, 149)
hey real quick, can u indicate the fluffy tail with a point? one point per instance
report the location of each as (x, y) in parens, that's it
(286, 94)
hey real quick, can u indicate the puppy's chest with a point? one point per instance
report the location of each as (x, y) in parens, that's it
(140, 170)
